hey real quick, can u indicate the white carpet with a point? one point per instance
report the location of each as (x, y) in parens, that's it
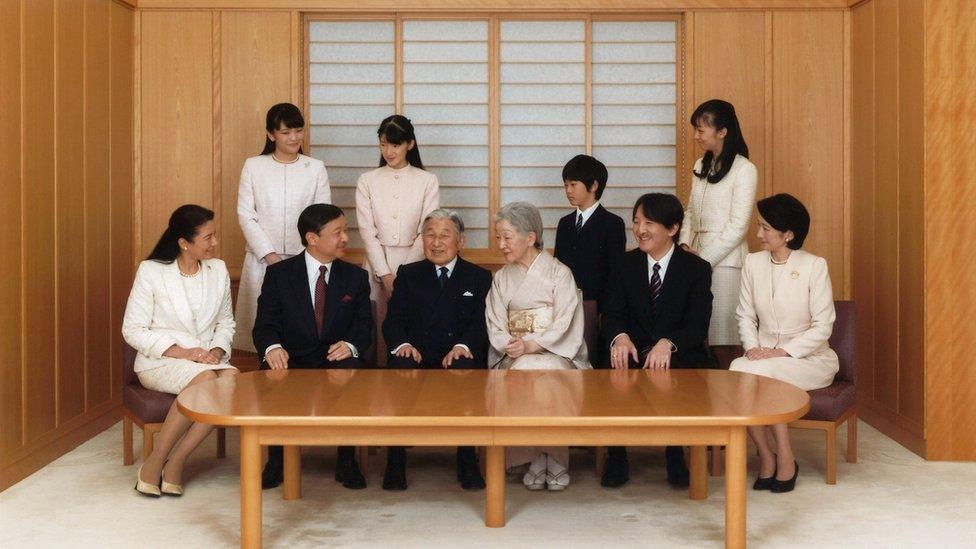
(890, 498)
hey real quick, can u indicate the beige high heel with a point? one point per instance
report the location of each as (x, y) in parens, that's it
(144, 488)
(168, 488)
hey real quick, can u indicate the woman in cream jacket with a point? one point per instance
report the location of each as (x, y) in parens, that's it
(179, 321)
(786, 315)
(723, 190)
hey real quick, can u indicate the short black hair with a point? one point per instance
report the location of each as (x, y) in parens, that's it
(586, 170)
(784, 213)
(661, 208)
(316, 216)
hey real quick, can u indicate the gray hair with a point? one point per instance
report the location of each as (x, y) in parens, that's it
(444, 213)
(524, 217)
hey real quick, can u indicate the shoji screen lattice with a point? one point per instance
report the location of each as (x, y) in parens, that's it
(564, 87)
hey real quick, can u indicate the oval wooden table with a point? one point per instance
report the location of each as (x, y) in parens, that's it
(496, 408)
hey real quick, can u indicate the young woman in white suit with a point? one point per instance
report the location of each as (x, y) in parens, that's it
(179, 321)
(391, 204)
(275, 187)
(723, 190)
(786, 315)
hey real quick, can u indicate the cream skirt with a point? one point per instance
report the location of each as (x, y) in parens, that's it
(172, 378)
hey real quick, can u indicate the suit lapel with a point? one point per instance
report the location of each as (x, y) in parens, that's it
(177, 296)
(333, 296)
(211, 297)
(439, 295)
(299, 279)
(670, 282)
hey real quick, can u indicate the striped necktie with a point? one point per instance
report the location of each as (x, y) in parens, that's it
(579, 222)
(442, 279)
(655, 287)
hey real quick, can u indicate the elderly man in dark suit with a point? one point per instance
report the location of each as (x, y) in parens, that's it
(436, 319)
(314, 312)
(656, 310)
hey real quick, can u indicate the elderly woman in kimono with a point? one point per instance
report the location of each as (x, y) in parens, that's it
(535, 322)
(786, 315)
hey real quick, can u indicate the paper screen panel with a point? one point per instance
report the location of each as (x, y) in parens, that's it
(352, 88)
(445, 94)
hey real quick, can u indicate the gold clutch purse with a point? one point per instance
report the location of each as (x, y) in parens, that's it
(529, 321)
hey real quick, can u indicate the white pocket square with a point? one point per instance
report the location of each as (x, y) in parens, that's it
(467, 294)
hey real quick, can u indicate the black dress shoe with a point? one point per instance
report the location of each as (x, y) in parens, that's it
(782, 486)
(272, 476)
(348, 473)
(395, 477)
(470, 476)
(616, 474)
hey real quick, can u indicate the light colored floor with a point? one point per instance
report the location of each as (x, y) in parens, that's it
(891, 498)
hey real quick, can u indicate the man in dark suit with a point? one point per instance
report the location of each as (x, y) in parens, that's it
(436, 319)
(591, 240)
(314, 312)
(656, 310)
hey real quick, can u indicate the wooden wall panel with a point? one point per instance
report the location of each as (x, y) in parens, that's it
(39, 245)
(11, 321)
(253, 77)
(121, 180)
(97, 212)
(950, 196)
(729, 64)
(862, 193)
(176, 116)
(70, 208)
(886, 219)
(911, 220)
(808, 126)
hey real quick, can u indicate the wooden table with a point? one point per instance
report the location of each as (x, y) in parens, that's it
(495, 409)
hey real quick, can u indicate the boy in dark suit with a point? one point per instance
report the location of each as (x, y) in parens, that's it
(591, 240)
(657, 306)
(314, 312)
(436, 319)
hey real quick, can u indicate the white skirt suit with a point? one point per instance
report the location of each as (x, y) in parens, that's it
(789, 307)
(270, 197)
(165, 308)
(716, 222)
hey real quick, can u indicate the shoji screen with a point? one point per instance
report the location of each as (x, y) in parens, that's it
(634, 109)
(445, 95)
(543, 112)
(352, 88)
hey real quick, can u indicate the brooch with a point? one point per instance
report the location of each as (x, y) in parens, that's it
(307, 163)
(794, 275)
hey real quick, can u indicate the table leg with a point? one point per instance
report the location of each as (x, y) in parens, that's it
(699, 473)
(250, 488)
(293, 472)
(495, 487)
(735, 489)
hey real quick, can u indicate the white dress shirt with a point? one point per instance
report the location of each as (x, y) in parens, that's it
(312, 269)
(585, 214)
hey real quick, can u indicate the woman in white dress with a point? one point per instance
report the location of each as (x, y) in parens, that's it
(275, 187)
(391, 204)
(179, 321)
(535, 322)
(723, 190)
(786, 315)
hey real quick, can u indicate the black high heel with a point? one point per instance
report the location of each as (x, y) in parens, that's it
(782, 486)
(764, 483)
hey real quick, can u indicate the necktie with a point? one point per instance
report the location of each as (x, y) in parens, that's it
(443, 277)
(579, 222)
(320, 299)
(655, 286)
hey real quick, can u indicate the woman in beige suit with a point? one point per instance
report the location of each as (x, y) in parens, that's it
(723, 189)
(179, 321)
(786, 315)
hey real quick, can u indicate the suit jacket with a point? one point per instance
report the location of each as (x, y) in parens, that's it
(434, 320)
(158, 314)
(286, 315)
(592, 253)
(683, 312)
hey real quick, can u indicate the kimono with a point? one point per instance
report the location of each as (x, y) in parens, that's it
(543, 305)
(789, 307)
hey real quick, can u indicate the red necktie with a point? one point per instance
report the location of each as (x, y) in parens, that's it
(320, 299)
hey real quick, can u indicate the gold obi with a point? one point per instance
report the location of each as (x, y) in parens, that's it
(529, 321)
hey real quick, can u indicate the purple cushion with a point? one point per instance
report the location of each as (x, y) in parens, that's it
(831, 402)
(147, 405)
